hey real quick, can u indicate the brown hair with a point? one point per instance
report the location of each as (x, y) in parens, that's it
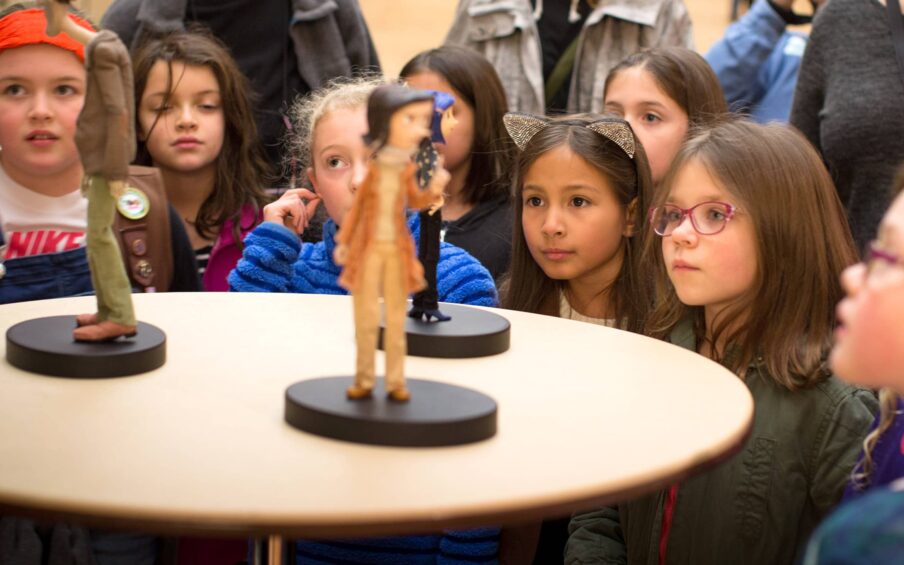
(888, 401)
(492, 152)
(526, 287)
(685, 77)
(241, 168)
(802, 244)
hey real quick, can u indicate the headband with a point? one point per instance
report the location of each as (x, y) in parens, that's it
(27, 27)
(523, 127)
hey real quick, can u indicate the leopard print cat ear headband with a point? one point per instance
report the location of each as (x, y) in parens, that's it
(523, 127)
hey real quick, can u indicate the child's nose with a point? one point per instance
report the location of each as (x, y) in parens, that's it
(40, 109)
(852, 278)
(186, 117)
(553, 225)
(359, 173)
(684, 233)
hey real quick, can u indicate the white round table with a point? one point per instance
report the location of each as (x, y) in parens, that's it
(587, 415)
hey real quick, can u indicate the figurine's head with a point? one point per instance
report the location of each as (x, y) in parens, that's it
(326, 142)
(398, 116)
(479, 149)
(56, 12)
(444, 119)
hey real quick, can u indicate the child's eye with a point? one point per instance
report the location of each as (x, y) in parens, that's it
(65, 90)
(533, 201)
(210, 107)
(14, 90)
(715, 213)
(334, 162)
(579, 202)
(673, 214)
(650, 117)
(615, 111)
(162, 108)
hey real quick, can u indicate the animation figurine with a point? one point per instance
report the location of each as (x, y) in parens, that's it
(425, 304)
(105, 138)
(374, 245)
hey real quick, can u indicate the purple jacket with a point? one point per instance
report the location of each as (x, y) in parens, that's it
(888, 456)
(226, 251)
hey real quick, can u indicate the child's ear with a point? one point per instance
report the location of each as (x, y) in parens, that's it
(630, 225)
(312, 178)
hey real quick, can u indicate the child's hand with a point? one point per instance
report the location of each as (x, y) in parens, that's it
(437, 204)
(340, 254)
(117, 188)
(440, 177)
(294, 209)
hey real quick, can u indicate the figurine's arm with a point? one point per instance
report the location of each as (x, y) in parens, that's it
(110, 65)
(350, 224)
(432, 197)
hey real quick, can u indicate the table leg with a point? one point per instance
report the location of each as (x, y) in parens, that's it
(257, 552)
(274, 550)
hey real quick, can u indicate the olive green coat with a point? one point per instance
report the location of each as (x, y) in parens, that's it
(758, 507)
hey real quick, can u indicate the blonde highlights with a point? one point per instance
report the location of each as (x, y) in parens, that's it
(307, 111)
(888, 410)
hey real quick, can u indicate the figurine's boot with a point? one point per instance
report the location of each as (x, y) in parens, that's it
(440, 317)
(86, 320)
(356, 392)
(400, 394)
(103, 331)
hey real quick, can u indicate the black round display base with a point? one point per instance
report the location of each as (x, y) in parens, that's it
(471, 332)
(437, 414)
(45, 346)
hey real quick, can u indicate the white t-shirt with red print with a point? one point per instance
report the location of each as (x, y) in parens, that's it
(35, 224)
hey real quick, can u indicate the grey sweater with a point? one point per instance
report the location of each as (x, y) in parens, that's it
(849, 104)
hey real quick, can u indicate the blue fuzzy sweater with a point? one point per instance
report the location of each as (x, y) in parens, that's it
(275, 261)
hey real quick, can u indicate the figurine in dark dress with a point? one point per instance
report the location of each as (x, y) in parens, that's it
(426, 302)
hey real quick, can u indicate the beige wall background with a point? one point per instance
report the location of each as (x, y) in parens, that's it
(402, 28)
(411, 26)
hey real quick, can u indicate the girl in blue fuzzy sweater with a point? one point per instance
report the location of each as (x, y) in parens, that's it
(330, 125)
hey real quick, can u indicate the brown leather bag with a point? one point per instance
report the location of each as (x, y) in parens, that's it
(146, 243)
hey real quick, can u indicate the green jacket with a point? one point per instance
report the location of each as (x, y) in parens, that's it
(760, 506)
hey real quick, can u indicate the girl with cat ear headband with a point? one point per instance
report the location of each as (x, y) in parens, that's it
(582, 184)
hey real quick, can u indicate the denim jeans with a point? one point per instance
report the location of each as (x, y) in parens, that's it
(53, 275)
